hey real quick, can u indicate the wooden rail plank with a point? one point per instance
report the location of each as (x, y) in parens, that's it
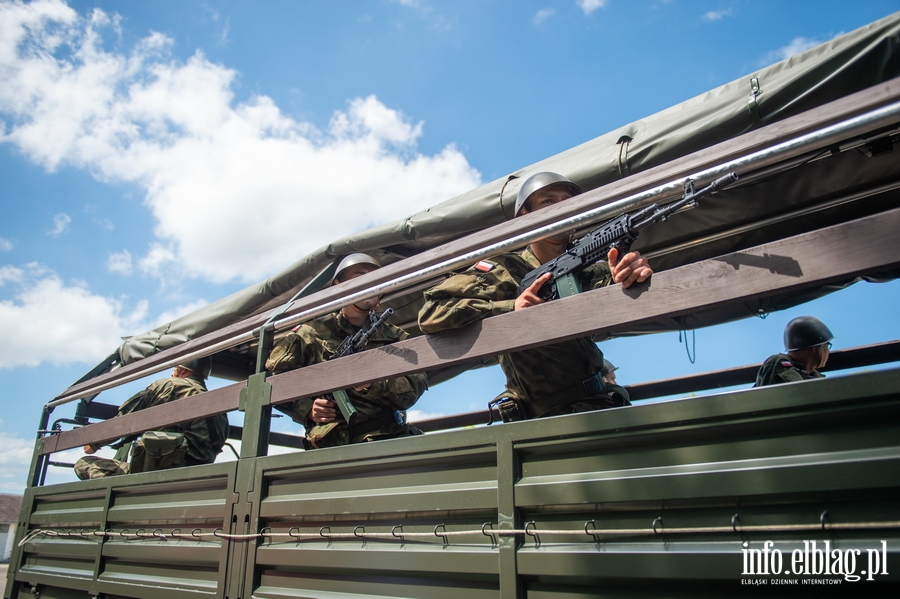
(825, 115)
(217, 401)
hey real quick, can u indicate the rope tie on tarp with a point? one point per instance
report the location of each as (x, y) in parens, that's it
(440, 531)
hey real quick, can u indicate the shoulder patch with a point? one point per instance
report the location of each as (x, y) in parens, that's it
(786, 364)
(484, 266)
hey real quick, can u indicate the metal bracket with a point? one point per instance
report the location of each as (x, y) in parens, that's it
(752, 104)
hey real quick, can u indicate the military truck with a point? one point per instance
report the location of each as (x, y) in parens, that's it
(796, 484)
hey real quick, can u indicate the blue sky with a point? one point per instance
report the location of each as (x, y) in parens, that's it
(158, 156)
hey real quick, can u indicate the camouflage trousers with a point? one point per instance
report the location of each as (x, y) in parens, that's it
(90, 467)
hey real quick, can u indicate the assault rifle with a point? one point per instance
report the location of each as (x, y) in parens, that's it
(618, 233)
(352, 344)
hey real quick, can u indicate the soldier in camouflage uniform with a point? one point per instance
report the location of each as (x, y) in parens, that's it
(204, 438)
(555, 379)
(807, 342)
(381, 405)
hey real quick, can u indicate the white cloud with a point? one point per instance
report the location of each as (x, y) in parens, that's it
(5, 244)
(542, 15)
(49, 321)
(60, 224)
(104, 222)
(718, 15)
(214, 171)
(589, 6)
(119, 262)
(797, 45)
(14, 462)
(15, 449)
(156, 260)
(10, 273)
(418, 415)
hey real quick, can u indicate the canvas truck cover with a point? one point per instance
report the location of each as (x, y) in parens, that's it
(844, 65)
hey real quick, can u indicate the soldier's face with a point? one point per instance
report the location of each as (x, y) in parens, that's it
(358, 270)
(544, 198)
(824, 351)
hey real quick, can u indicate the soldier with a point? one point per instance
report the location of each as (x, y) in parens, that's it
(807, 342)
(381, 405)
(544, 381)
(185, 444)
(608, 372)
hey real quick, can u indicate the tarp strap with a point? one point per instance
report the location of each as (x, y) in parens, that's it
(752, 104)
(508, 179)
(622, 158)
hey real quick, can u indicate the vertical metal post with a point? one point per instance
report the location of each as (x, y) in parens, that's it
(254, 402)
(39, 461)
(15, 560)
(98, 558)
(508, 472)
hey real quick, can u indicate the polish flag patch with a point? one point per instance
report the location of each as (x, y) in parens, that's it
(786, 364)
(484, 266)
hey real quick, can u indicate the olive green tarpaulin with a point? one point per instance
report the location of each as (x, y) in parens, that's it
(844, 65)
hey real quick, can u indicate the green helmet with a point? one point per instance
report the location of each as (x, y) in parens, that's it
(804, 332)
(539, 181)
(200, 367)
(353, 260)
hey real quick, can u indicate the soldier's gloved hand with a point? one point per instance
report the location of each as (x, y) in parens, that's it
(90, 449)
(632, 268)
(530, 296)
(323, 411)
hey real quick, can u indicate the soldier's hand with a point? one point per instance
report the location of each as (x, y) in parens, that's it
(632, 268)
(323, 411)
(530, 296)
(90, 449)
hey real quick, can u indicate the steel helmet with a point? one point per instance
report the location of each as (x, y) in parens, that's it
(353, 260)
(804, 332)
(200, 367)
(607, 367)
(539, 181)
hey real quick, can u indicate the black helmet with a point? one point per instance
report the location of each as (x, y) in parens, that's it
(539, 181)
(607, 367)
(804, 332)
(201, 367)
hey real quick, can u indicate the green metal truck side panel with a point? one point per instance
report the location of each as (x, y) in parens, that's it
(685, 483)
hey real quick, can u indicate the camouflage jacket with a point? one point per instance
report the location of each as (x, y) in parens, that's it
(315, 341)
(205, 438)
(490, 288)
(781, 369)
